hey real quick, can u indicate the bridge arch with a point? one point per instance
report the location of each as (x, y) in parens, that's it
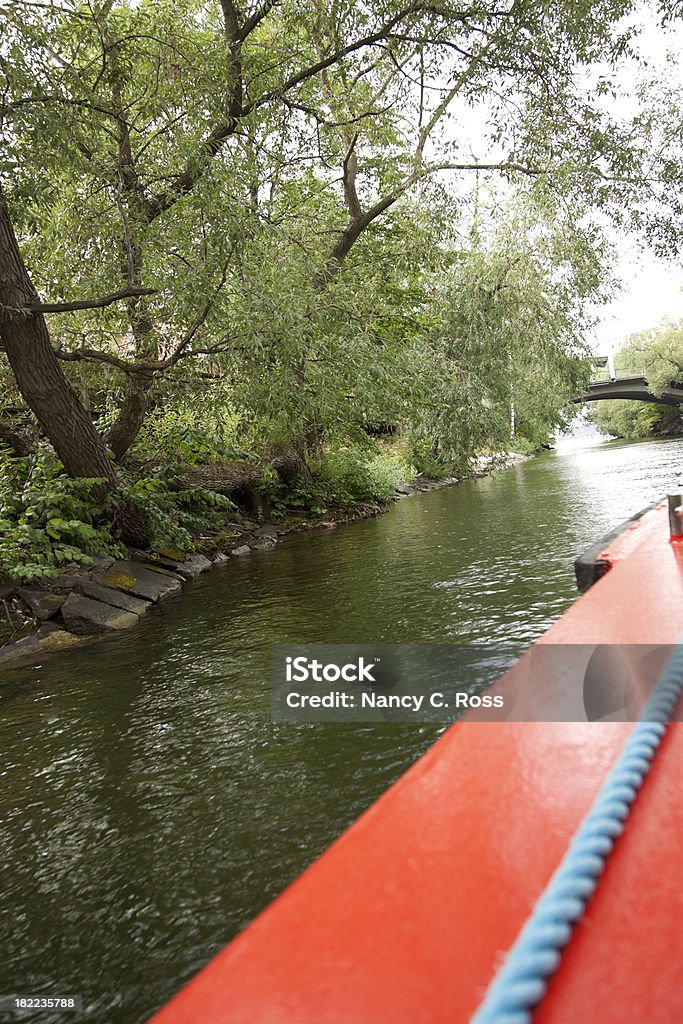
(630, 386)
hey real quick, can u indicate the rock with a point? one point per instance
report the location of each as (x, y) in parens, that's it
(31, 648)
(20, 653)
(46, 629)
(82, 616)
(164, 570)
(404, 489)
(264, 537)
(267, 530)
(193, 566)
(168, 554)
(116, 598)
(65, 582)
(58, 640)
(184, 568)
(263, 542)
(6, 590)
(159, 560)
(102, 562)
(243, 549)
(221, 558)
(42, 603)
(139, 580)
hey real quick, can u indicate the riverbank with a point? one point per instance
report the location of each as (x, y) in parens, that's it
(52, 614)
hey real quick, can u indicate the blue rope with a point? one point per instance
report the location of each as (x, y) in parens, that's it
(522, 980)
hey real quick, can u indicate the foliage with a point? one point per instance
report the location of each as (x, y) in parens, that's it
(46, 519)
(185, 432)
(507, 350)
(634, 420)
(656, 354)
(351, 474)
(172, 513)
(426, 463)
(344, 477)
(305, 246)
(281, 211)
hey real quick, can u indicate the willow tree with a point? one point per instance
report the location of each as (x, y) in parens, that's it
(154, 151)
(509, 345)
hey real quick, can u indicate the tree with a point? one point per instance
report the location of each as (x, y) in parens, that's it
(509, 349)
(158, 151)
(26, 342)
(656, 354)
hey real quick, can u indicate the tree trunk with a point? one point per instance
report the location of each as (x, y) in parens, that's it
(289, 462)
(22, 440)
(46, 391)
(122, 434)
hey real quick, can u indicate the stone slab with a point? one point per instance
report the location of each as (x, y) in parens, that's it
(116, 598)
(263, 542)
(42, 603)
(32, 648)
(139, 580)
(193, 566)
(184, 568)
(84, 616)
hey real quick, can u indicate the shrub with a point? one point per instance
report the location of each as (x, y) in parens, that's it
(354, 474)
(428, 464)
(173, 514)
(47, 519)
(186, 435)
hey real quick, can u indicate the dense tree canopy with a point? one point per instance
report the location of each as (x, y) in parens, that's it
(260, 218)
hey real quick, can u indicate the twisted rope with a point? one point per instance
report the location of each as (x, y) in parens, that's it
(522, 980)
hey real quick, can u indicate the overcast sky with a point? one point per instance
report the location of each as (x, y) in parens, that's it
(653, 291)
(653, 288)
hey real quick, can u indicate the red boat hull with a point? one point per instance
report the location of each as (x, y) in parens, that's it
(407, 916)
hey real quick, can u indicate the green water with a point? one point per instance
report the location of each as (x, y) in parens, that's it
(149, 809)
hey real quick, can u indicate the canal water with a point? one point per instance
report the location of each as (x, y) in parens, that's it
(150, 809)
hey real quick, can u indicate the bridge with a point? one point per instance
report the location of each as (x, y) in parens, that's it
(608, 383)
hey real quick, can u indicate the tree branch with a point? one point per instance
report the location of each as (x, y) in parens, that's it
(314, 69)
(357, 225)
(79, 355)
(218, 136)
(105, 300)
(256, 18)
(350, 170)
(181, 349)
